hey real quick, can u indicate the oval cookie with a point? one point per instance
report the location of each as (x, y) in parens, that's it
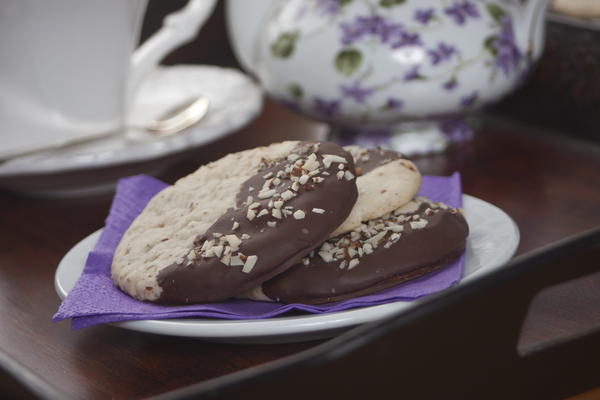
(386, 181)
(237, 233)
(410, 242)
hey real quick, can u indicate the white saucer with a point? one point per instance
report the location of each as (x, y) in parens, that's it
(493, 239)
(234, 101)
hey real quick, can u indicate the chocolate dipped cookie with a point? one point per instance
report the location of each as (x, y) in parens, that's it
(386, 180)
(416, 239)
(235, 223)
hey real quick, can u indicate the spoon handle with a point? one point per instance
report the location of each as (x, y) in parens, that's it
(180, 118)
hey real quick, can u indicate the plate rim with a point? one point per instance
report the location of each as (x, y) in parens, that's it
(208, 328)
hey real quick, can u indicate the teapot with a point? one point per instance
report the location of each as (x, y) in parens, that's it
(368, 64)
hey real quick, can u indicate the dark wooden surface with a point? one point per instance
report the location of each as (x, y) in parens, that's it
(548, 183)
(460, 344)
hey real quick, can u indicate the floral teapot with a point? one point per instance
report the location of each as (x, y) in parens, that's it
(373, 63)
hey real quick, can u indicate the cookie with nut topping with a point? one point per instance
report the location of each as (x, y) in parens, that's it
(414, 240)
(235, 223)
(386, 180)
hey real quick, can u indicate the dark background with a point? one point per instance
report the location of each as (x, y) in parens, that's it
(211, 46)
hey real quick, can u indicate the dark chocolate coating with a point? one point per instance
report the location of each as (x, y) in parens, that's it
(416, 253)
(277, 248)
(376, 158)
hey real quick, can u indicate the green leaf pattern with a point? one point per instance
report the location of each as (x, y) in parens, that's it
(347, 61)
(295, 91)
(391, 3)
(283, 47)
(488, 44)
(495, 11)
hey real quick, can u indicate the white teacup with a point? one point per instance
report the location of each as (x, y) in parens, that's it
(69, 68)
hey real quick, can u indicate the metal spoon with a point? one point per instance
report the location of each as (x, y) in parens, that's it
(174, 121)
(179, 118)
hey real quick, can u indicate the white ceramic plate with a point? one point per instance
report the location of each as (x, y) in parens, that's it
(234, 100)
(492, 241)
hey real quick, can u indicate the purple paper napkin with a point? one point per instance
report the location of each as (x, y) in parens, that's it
(95, 300)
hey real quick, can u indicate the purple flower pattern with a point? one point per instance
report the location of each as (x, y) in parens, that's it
(461, 11)
(508, 54)
(450, 84)
(502, 45)
(327, 108)
(363, 26)
(457, 130)
(291, 104)
(443, 52)
(412, 74)
(377, 26)
(469, 101)
(406, 39)
(356, 92)
(394, 104)
(328, 7)
(424, 15)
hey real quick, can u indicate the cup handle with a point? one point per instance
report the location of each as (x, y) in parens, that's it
(178, 28)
